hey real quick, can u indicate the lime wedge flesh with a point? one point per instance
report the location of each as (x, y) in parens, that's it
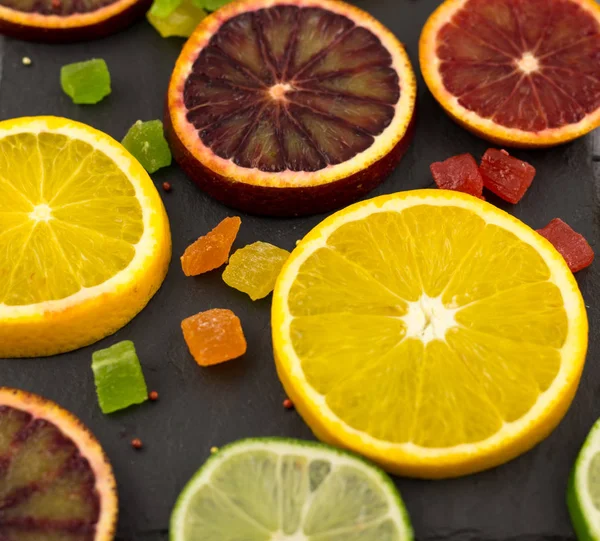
(287, 490)
(583, 495)
(119, 378)
(86, 82)
(147, 144)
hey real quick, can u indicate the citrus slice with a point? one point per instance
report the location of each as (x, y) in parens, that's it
(429, 331)
(523, 74)
(583, 494)
(55, 480)
(68, 20)
(84, 237)
(274, 489)
(290, 109)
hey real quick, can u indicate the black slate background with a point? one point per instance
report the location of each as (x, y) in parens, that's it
(199, 408)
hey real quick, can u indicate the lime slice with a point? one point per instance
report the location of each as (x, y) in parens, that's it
(583, 495)
(119, 378)
(285, 490)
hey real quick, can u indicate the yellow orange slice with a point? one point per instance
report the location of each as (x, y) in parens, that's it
(84, 237)
(429, 331)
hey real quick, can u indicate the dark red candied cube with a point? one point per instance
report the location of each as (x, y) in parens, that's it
(571, 245)
(459, 173)
(506, 176)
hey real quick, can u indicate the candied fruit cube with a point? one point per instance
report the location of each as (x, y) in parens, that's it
(211, 5)
(175, 19)
(254, 269)
(214, 336)
(571, 245)
(458, 173)
(212, 250)
(146, 142)
(86, 82)
(118, 377)
(506, 176)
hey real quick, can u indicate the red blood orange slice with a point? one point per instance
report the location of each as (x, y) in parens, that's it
(56, 483)
(290, 107)
(68, 20)
(523, 73)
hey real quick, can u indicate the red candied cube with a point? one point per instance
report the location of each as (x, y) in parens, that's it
(506, 176)
(459, 173)
(571, 245)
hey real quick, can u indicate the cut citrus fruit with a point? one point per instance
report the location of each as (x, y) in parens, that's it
(290, 109)
(275, 489)
(55, 481)
(68, 20)
(84, 237)
(429, 331)
(523, 74)
(583, 494)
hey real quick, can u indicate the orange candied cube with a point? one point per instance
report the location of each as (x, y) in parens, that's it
(212, 250)
(214, 336)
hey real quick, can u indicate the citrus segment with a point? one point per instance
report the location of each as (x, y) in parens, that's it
(86, 242)
(266, 489)
(289, 97)
(68, 20)
(518, 73)
(429, 331)
(55, 481)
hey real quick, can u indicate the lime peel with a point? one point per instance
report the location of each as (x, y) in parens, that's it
(273, 488)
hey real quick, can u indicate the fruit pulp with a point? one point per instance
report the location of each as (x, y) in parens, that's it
(146, 141)
(506, 176)
(118, 376)
(256, 99)
(212, 250)
(86, 82)
(254, 269)
(459, 173)
(55, 481)
(526, 65)
(274, 489)
(214, 336)
(571, 245)
(428, 330)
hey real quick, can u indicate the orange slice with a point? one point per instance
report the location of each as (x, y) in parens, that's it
(55, 480)
(523, 74)
(68, 20)
(290, 109)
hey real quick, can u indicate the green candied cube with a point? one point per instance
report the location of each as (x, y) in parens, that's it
(146, 141)
(181, 21)
(86, 82)
(211, 5)
(254, 269)
(119, 379)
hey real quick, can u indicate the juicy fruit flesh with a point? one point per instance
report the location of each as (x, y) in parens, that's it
(290, 88)
(526, 65)
(57, 7)
(47, 489)
(69, 218)
(262, 495)
(463, 328)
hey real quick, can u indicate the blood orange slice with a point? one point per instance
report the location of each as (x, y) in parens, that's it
(56, 484)
(521, 73)
(290, 107)
(68, 20)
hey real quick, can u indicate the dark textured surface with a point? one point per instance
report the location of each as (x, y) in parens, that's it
(521, 501)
